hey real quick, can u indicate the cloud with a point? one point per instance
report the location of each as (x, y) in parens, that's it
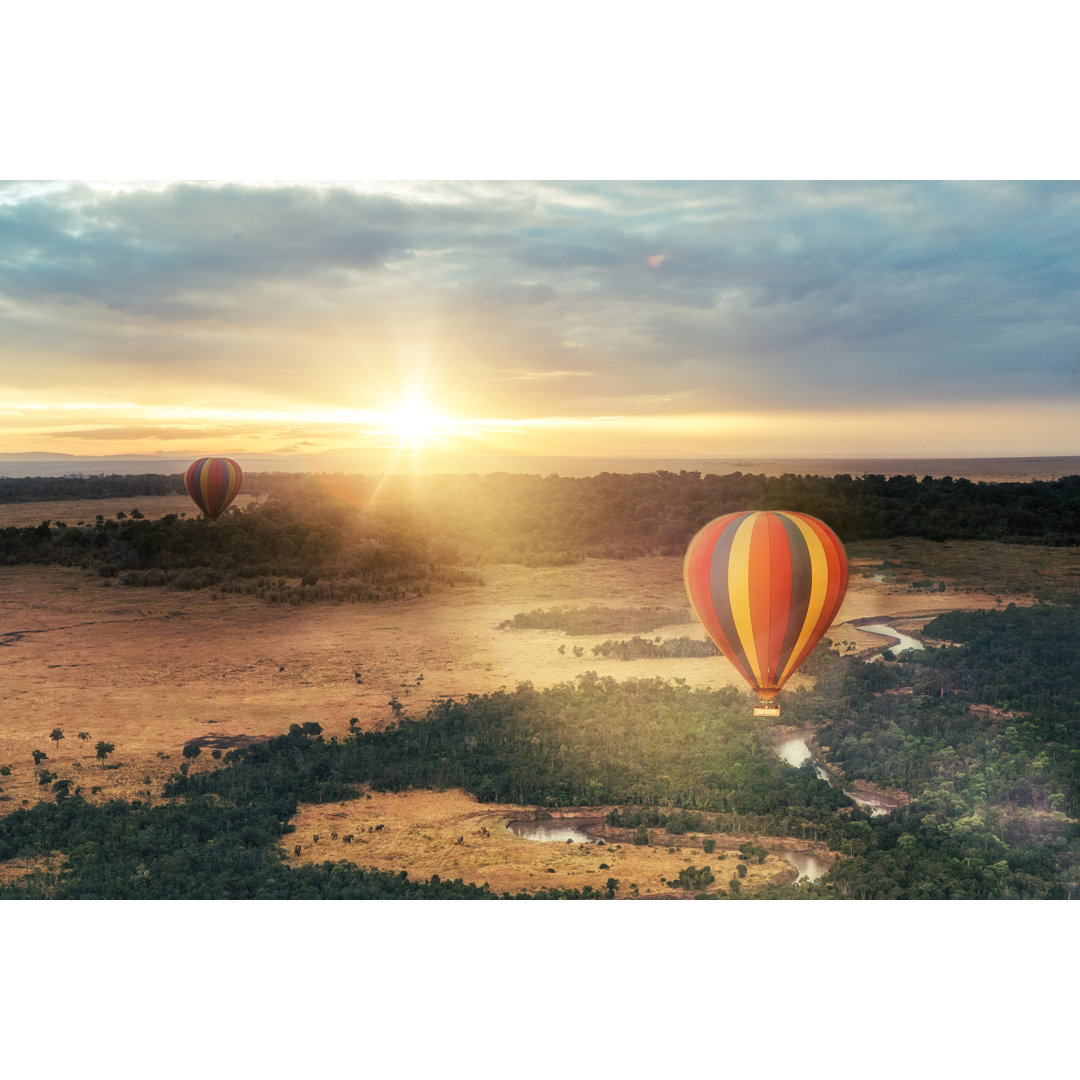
(139, 432)
(653, 294)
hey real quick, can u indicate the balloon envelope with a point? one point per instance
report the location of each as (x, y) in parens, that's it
(213, 483)
(765, 584)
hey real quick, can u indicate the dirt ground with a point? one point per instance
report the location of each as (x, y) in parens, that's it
(149, 670)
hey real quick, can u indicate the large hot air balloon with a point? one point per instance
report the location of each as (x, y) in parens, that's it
(765, 584)
(213, 483)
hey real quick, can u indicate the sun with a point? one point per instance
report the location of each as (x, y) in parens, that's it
(414, 422)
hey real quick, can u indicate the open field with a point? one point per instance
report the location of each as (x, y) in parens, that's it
(419, 832)
(1050, 573)
(74, 511)
(150, 670)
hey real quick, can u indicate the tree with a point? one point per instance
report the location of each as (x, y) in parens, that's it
(83, 736)
(39, 756)
(46, 777)
(750, 850)
(56, 735)
(104, 749)
(691, 877)
(191, 750)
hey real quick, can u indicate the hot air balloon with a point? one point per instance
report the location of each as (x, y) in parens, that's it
(213, 483)
(765, 584)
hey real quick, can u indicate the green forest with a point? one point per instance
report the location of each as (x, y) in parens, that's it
(359, 538)
(979, 728)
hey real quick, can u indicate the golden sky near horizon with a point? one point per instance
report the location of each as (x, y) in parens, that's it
(600, 319)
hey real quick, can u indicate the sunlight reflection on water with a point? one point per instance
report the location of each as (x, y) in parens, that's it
(906, 641)
(552, 832)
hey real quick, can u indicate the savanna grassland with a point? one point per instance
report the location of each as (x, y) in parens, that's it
(338, 654)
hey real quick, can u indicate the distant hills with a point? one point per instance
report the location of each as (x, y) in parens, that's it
(375, 462)
(34, 455)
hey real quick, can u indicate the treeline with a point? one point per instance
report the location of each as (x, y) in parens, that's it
(535, 520)
(360, 538)
(287, 550)
(595, 619)
(56, 488)
(639, 648)
(518, 518)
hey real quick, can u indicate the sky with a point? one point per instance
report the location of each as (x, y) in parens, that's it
(591, 317)
(239, 304)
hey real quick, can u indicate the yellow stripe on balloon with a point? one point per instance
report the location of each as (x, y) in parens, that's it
(739, 591)
(819, 588)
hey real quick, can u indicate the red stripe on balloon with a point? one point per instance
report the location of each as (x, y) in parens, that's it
(780, 607)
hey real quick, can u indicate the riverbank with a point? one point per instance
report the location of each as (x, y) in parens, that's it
(798, 744)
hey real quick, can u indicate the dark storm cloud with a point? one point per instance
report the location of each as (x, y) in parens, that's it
(718, 293)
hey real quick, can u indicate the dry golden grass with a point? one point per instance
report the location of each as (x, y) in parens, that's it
(150, 670)
(983, 567)
(72, 511)
(421, 830)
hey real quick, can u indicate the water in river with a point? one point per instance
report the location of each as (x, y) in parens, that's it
(906, 641)
(556, 830)
(807, 864)
(795, 751)
(553, 831)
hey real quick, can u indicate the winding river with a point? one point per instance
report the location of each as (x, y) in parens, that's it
(793, 750)
(573, 831)
(899, 641)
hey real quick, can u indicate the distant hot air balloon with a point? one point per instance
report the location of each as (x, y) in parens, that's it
(765, 584)
(213, 483)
